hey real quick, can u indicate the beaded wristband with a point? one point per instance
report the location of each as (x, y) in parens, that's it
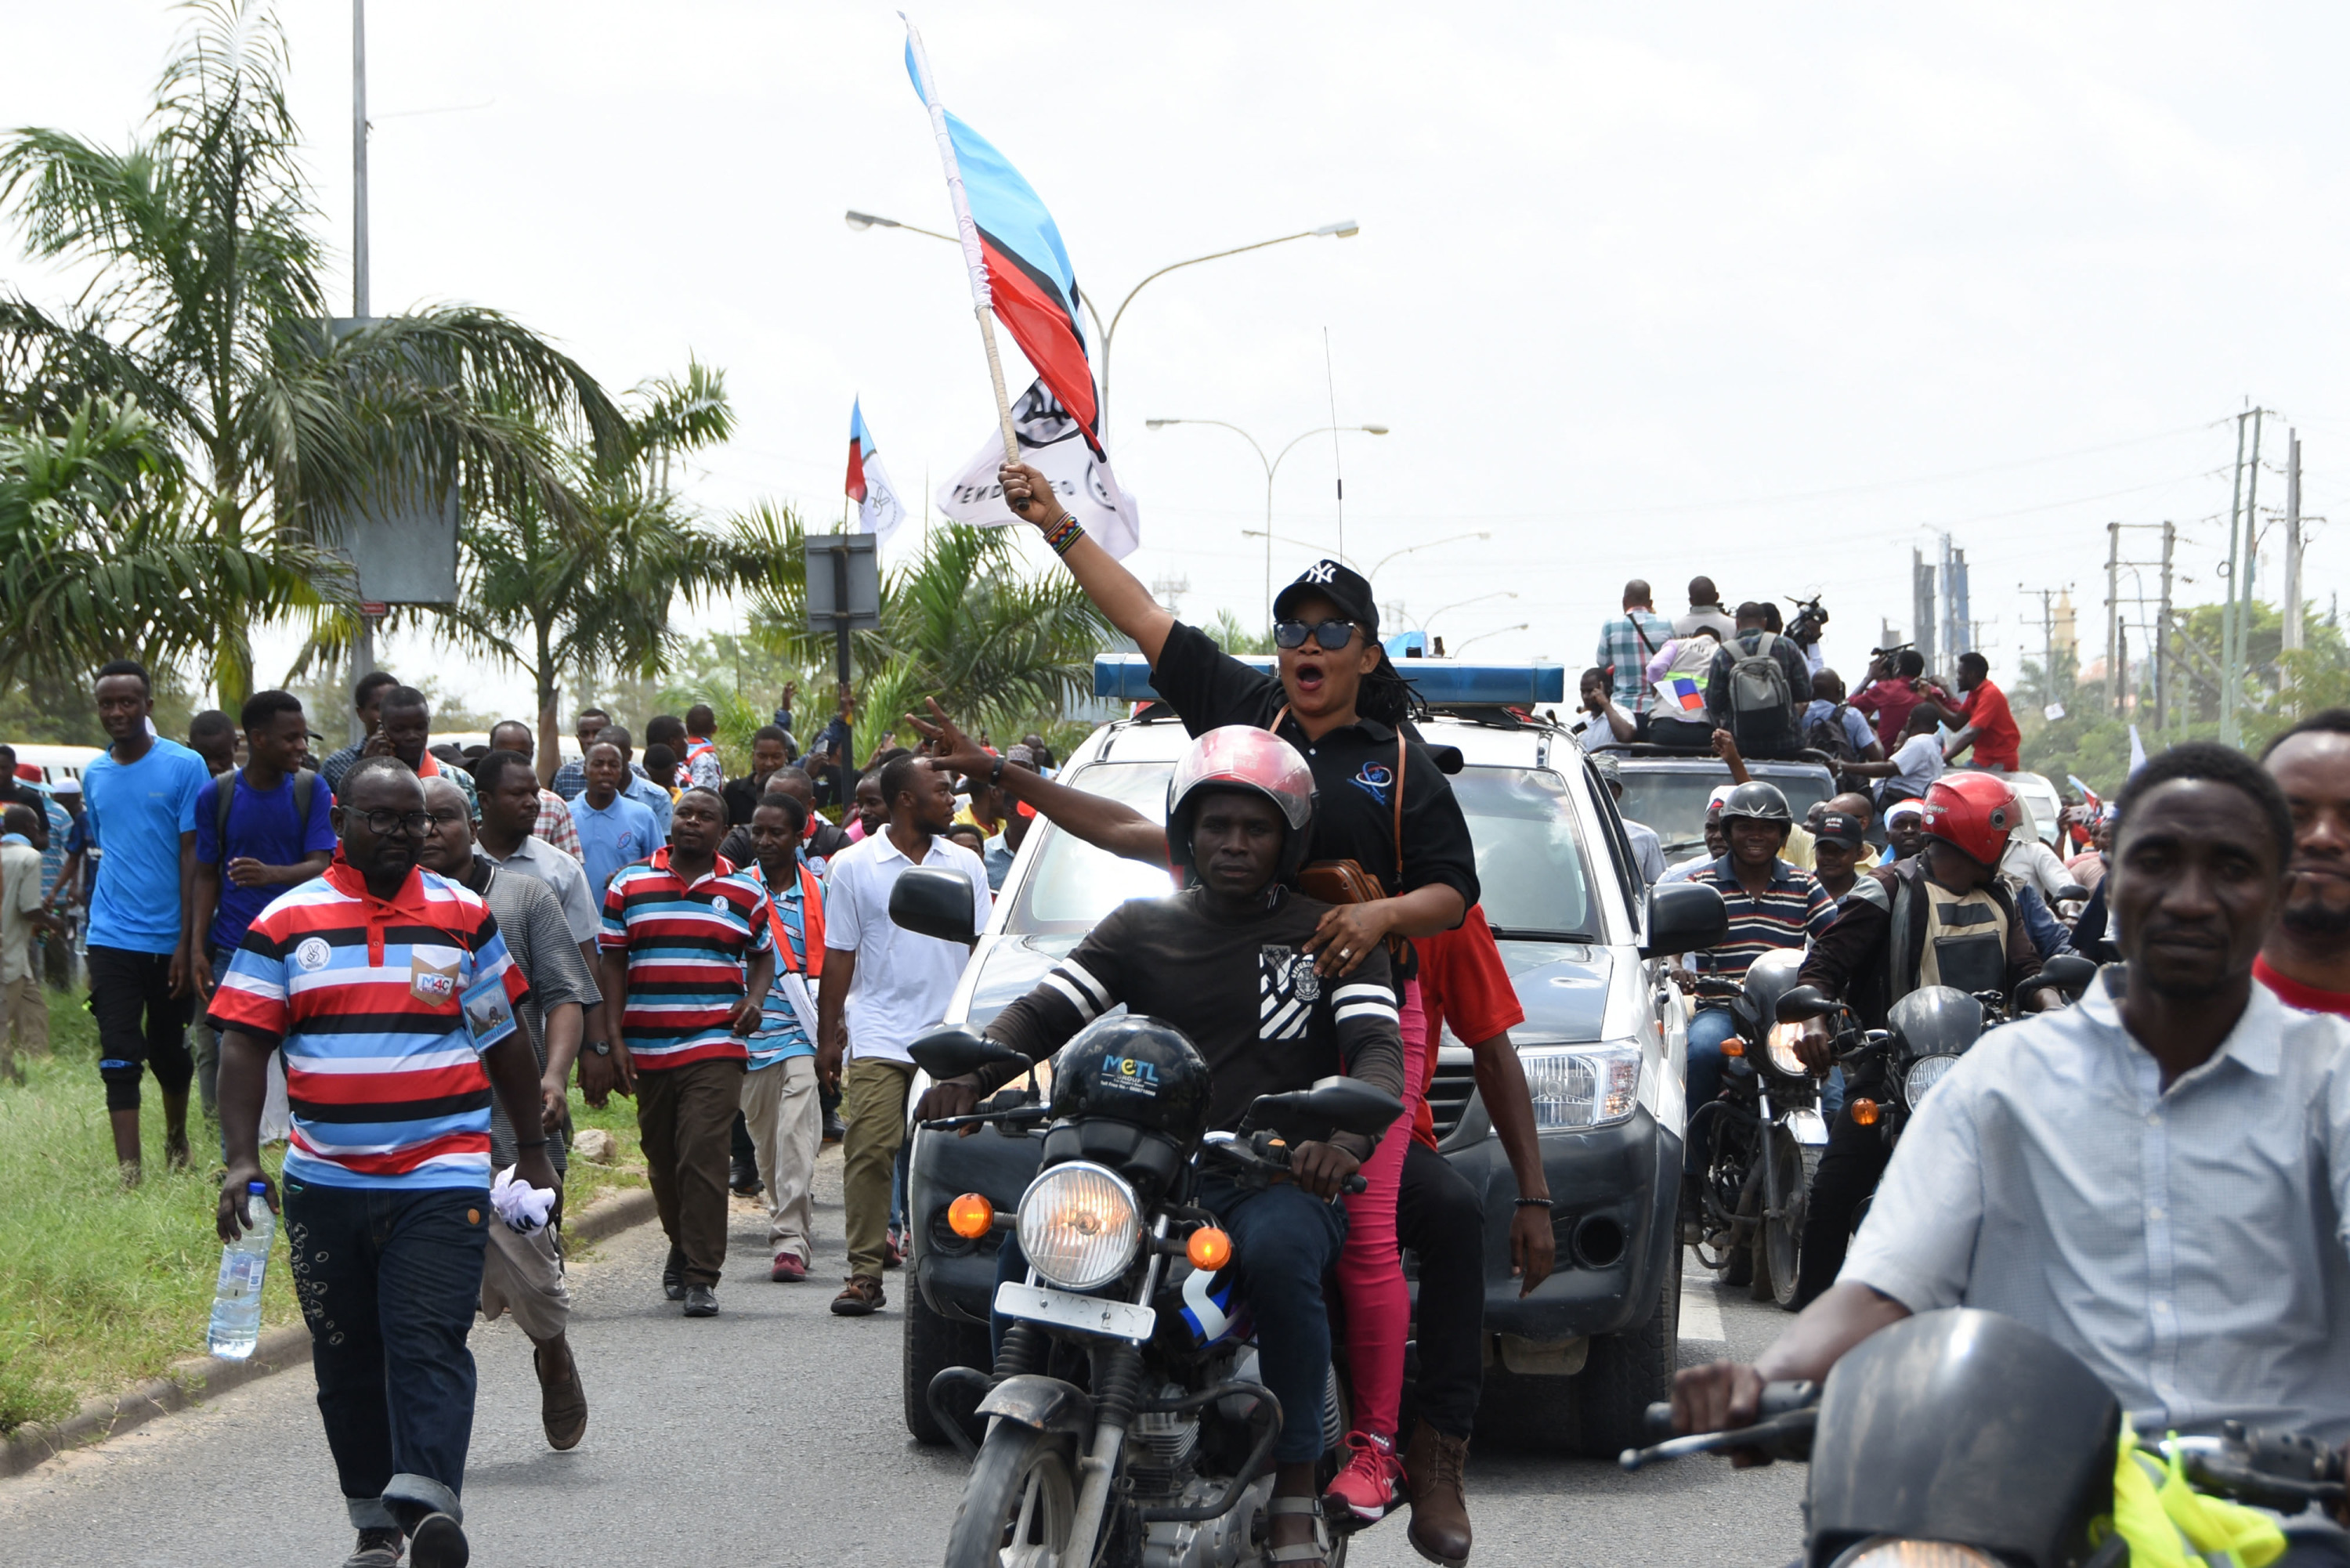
(1062, 536)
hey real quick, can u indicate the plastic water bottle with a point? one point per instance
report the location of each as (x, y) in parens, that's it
(236, 1300)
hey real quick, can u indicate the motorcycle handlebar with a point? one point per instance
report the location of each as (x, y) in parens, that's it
(1787, 1415)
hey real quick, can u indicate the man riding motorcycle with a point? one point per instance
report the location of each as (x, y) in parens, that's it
(1225, 962)
(1940, 917)
(2155, 1179)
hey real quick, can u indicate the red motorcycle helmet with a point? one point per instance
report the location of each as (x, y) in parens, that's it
(1242, 757)
(1972, 812)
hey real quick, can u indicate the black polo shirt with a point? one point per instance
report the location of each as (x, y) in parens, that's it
(1354, 771)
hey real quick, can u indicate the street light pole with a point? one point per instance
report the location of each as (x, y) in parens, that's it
(1271, 467)
(1344, 228)
(1495, 632)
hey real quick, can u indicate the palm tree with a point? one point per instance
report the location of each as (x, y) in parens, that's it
(960, 622)
(584, 579)
(96, 559)
(206, 308)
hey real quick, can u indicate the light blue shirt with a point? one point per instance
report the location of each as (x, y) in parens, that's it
(780, 1034)
(139, 812)
(620, 835)
(653, 799)
(2188, 1243)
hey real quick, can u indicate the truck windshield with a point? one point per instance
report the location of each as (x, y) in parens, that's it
(1672, 801)
(1530, 862)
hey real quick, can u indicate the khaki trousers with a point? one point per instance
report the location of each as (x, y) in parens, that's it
(24, 1022)
(524, 1276)
(786, 1126)
(873, 1104)
(685, 1119)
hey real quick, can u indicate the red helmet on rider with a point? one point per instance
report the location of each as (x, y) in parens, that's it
(1242, 757)
(1972, 812)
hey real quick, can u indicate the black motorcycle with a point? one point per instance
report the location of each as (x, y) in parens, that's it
(1765, 1134)
(1964, 1439)
(1125, 1420)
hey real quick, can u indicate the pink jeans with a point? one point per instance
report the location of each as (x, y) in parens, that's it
(1370, 1267)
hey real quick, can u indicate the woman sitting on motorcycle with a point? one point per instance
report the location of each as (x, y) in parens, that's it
(1227, 962)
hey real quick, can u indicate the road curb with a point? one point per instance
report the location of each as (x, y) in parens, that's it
(288, 1346)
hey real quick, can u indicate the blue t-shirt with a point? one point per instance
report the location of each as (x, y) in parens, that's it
(261, 827)
(138, 813)
(620, 835)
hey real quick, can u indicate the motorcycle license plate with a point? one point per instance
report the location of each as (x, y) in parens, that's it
(1086, 1315)
(1811, 1129)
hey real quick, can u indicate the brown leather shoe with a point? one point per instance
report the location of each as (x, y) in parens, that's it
(860, 1296)
(562, 1401)
(1434, 1468)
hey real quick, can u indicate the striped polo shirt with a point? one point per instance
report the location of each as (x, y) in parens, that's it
(686, 947)
(1789, 913)
(363, 996)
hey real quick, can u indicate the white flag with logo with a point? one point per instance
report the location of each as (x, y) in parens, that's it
(1050, 443)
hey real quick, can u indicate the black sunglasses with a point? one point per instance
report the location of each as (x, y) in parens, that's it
(1333, 635)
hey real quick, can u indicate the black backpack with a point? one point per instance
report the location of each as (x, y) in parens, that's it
(1826, 734)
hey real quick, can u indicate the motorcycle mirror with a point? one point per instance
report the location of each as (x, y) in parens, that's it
(931, 902)
(1331, 1106)
(2068, 972)
(2072, 893)
(951, 1051)
(1806, 1002)
(1683, 918)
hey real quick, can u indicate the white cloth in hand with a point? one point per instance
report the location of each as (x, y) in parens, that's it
(523, 1207)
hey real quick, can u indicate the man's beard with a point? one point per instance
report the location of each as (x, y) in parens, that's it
(2315, 918)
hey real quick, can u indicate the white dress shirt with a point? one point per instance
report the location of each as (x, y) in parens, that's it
(904, 981)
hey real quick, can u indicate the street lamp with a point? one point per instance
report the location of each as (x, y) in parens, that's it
(1344, 229)
(1424, 621)
(1271, 467)
(1483, 634)
(1372, 576)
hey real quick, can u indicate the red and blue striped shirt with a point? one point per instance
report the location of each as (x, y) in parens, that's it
(363, 994)
(687, 946)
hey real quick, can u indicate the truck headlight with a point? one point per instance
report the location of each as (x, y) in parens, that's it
(1079, 1225)
(1577, 1087)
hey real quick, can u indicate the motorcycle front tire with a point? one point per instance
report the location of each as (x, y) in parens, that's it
(1019, 1503)
(1779, 1249)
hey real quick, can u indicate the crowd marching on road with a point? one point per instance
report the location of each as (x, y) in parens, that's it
(400, 957)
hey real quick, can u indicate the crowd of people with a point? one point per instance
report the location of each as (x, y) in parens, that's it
(399, 957)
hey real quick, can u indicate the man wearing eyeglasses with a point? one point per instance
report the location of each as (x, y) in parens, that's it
(369, 978)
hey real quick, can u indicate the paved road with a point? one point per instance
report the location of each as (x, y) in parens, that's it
(770, 1436)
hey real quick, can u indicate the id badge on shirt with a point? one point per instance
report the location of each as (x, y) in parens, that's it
(489, 1016)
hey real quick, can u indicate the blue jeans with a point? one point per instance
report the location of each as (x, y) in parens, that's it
(1284, 1241)
(388, 1282)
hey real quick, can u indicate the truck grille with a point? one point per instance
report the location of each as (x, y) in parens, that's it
(1451, 1089)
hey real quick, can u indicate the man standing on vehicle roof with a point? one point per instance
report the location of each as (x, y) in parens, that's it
(1628, 643)
(1229, 962)
(1895, 683)
(1984, 720)
(2306, 958)
(1771, 904)
(1706, 611)
(2207, 1288)
(1944, 918)
(1736, 687)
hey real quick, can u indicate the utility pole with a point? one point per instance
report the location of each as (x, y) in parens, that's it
(2113, 613)
(1921, 590)
(2292, 543)
(363, 646)
(2231, 674)
(2162, 635)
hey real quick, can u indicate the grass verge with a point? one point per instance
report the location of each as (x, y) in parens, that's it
(100, 1287)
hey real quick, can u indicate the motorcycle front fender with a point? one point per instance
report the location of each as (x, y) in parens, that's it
(1810, 1129)
(1045, 1404)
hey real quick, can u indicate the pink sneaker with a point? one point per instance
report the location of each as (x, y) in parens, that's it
(1372, 1481)
(788, 1270)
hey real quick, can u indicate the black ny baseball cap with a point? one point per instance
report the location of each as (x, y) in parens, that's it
(1341, 584)
(1844, 828)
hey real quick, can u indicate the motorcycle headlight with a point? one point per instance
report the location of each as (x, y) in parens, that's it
(1582, 1086)
(1885, 1552)
(1784, 1058)
(1923, 1074)
(1079, 1225)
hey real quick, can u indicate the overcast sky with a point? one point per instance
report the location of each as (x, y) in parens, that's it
(1772, 293)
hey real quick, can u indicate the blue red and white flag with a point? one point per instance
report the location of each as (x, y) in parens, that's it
(1013, 248)
(879, 510)
(1680, 694)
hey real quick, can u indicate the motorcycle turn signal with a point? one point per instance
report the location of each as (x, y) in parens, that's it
(1864, 1113)
(1209, 1248)
(971, 1216)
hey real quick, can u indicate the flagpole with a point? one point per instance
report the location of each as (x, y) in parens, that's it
(982, 298)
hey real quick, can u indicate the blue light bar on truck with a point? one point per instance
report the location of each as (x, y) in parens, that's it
(1441, 682)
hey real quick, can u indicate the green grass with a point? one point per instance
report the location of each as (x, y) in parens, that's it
(101, 1287)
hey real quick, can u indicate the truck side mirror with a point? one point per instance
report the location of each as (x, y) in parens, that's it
(1684, 917)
